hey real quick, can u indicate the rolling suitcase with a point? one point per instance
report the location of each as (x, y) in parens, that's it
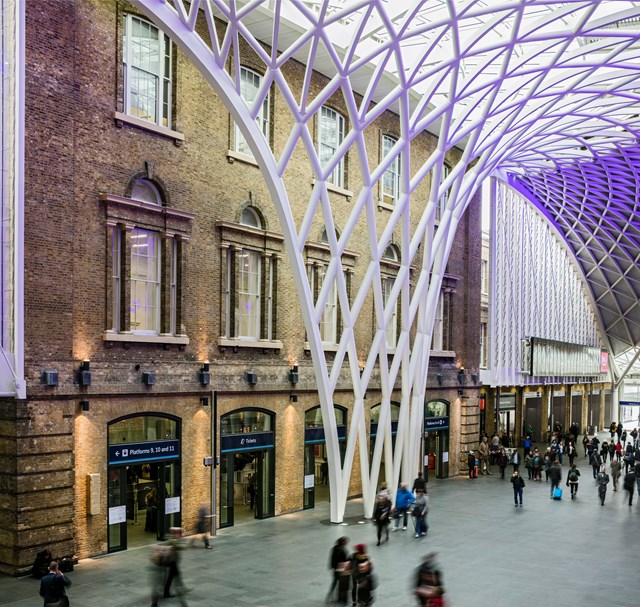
(557, 493)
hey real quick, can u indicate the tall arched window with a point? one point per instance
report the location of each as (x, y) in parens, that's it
(249, 86)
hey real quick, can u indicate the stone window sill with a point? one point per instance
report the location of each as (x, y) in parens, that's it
(385, 205)
(120, 119)
(325, 347)
(232, 156)
(263, 344)
(443, 353)
(348, 194)
(176, 340)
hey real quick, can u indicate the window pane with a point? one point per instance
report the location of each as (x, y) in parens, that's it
(249, 86)
(438, 325)
(147, 68)
(248, 311)
(391, 330)
(145, 281)
(391, 177)
(329, 321)
(330, 136)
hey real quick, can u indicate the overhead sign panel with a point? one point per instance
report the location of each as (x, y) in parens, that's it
(548, 358)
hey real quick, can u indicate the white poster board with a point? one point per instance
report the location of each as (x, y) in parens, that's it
(117, 514)
(309, 481)
(445, 456)
(171, 505)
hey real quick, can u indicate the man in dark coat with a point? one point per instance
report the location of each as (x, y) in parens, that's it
(339, 564)
(53, 584)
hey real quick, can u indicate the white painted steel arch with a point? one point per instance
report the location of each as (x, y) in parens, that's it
(513, 83)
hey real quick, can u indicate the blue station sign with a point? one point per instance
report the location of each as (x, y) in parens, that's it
(130, 453)
(629, 403)
(246, 442)
(316, 435)
(436, 423)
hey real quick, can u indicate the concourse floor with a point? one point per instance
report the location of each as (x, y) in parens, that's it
(490, 553)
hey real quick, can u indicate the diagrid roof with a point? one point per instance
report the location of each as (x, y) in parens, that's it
(544, 90)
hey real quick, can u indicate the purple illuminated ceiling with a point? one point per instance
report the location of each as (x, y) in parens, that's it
(594, 205)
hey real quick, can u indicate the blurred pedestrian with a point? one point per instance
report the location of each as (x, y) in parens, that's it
(419, 483)
(503, 461)
(629, 484)
(339, 564)
(201, 526)
(420, 510)
(176, 546)
(428, 586)
(616, 470)
(471, 462)
(357, 558)
(573, 478)
(382, 516)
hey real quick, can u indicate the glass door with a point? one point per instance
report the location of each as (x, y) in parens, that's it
(226, 489)
(170, 507)
(265, 497)
(117, 509)
(309, 471)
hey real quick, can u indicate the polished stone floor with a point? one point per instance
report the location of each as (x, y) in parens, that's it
(491, 555)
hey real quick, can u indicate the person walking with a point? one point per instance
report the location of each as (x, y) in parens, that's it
(471, 462)
(602, 480)
(629, 484)
(619, 430)
(585, 442)
(526, 445)
(571, 452)
(612, 428)
(503, 461)
(176, 546)
(420, 510)
(339, 565)
(616, 470)
(381, 516)
(573, 478)
(483, 450)
(515, 460)
(357, 558)
(596, 462)
(404, 499)
(419, 483)
(52, 587)
(604, 451)
(518, 485)
(367, 583)
(201, 526)
(555, 474)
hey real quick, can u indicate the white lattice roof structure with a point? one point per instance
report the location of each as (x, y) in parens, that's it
(537, 89)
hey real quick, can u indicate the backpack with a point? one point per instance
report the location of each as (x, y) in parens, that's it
(573, 476)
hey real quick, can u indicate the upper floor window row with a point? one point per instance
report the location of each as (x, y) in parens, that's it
(147, 68)
(250, 83)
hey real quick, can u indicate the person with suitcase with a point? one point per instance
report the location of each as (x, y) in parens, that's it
(555, 474)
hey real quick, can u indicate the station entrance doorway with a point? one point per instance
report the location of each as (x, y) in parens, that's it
(316, 468)
(247, 466)
(436, 440)
(144, 480)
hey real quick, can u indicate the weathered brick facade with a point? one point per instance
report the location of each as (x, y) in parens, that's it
(78, 158)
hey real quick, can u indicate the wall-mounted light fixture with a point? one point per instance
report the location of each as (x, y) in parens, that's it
(204, 401)
(204, 375)
(293, 398)
(440, 378)
(83, 375)
(84, 405)
(461, 376)
(148, 378)
(293, 375)
(251, 378)
(460, 392)
(474, 378)
(49, 377)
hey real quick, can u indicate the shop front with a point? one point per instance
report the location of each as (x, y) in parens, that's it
(316, 468)
(436, 439)
(247, 466)
(144, 479)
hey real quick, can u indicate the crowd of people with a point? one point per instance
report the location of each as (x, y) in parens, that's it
(622, 451)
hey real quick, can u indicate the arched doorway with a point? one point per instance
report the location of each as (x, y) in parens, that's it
(316, 469)
(436, 439)
(247, 465)
(145, 482)
(373, 432)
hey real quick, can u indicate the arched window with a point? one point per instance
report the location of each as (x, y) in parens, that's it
(145, 191)
(250, 217)
(392, 253)
(246, 420)
(436, 408)
(143, 428)
(313, 417)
